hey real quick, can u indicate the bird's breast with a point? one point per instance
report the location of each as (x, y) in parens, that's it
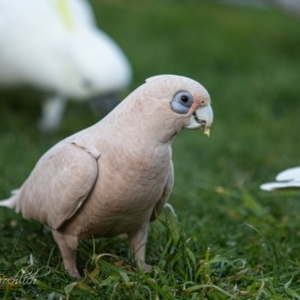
(128, 186)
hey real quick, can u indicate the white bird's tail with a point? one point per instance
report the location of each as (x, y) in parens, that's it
(10, 202)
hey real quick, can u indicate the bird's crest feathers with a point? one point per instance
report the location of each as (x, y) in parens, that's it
(65, 14)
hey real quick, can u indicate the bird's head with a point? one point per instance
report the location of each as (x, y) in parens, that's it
(184, 101)
(163, 106)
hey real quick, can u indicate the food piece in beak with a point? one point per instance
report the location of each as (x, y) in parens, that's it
(203, 123)
(207, 131)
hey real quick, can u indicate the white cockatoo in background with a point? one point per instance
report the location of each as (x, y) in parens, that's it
(55, 46)
(114, 176)
(287, 179)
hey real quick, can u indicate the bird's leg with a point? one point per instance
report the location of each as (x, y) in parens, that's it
(138, 240)
(68, 254)
(53, 108)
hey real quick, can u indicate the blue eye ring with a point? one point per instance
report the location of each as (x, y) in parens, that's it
(181, 102)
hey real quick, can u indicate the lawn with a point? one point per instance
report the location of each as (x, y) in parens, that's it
(230, 240)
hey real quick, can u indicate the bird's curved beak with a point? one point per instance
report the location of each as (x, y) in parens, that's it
(202, 117)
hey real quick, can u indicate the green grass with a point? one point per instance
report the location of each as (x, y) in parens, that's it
(231, 241)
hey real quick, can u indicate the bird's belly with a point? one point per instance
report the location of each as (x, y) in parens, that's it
(113, 225)
(107, 214)
(108, 221)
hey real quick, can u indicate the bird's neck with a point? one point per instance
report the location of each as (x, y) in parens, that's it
(128, 122)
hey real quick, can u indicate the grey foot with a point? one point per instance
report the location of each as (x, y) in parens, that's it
(74, 273)
(142, 265)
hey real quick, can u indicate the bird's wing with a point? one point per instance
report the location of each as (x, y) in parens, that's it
(287, 179)
(289, 174)
(165, 195)
(59, 184)
(280, 185)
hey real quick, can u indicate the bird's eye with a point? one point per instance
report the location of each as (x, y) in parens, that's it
(182, 102)
(184, 98)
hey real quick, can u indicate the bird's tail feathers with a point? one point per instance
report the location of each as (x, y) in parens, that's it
(10, 202)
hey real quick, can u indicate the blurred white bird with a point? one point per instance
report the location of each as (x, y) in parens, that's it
(55, 46)
(287, 179)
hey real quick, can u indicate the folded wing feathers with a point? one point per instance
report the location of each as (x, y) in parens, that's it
(69, 173)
